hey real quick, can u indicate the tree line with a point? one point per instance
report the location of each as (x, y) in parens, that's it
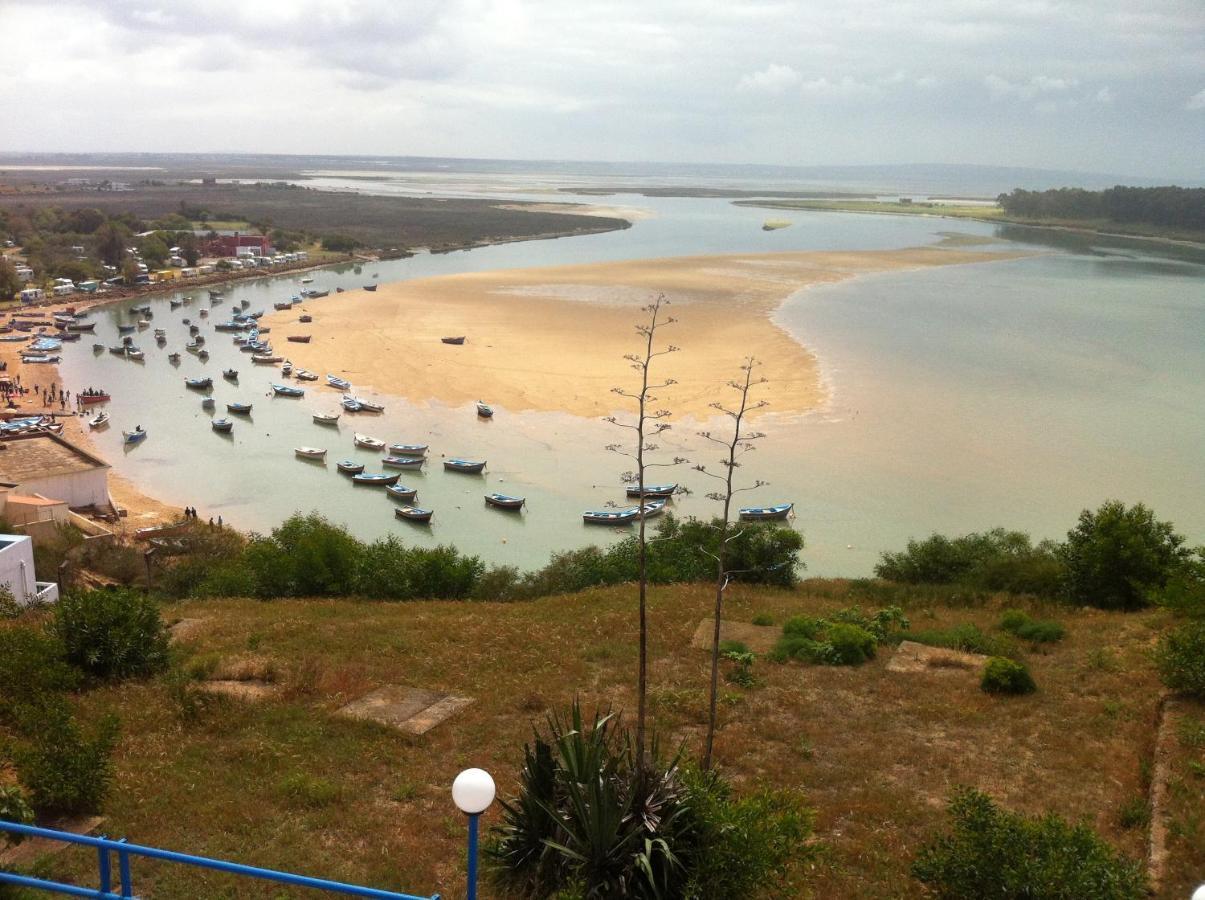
(1165, 207)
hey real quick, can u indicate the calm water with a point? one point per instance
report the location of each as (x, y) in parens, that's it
(1008, 393)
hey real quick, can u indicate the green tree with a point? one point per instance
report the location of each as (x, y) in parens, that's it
(112, 239)
(1116, 555)
(190, 249)
(84, 221)
(153, 250)
(129, 270)
(9, 282)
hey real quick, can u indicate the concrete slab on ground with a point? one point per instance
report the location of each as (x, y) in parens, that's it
(913, 657)
(253, 691)
(758, 638)
(29, 850)
(412, 710)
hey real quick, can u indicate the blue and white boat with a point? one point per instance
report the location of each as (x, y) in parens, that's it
(652, 490)
(284, 390)
(468, 466)
(408, 449)
(766, 513)
(401, 492)
(351, 404)
(225, 426)
(414, 513)
(242, 409)
(340, 383)
(484, 410)
(502, 501)
(349, 466)
(403, 462)
(133, 437)
(623, 516)
(368, 443)
(198, 384)
(372, 480)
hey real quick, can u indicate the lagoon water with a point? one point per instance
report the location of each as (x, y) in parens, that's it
(1010, 393)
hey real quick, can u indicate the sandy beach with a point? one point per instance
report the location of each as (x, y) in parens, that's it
(555, 338)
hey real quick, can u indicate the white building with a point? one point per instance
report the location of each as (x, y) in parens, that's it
(44, 465)
(17, 572)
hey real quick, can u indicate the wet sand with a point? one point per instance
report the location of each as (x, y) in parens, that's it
(555, 338)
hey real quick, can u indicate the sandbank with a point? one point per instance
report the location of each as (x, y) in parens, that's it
(555, 338)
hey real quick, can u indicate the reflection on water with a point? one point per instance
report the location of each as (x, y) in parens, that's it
(1009, 393)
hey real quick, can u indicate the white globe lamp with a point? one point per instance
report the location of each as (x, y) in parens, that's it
(473, 791)
(1199, 893)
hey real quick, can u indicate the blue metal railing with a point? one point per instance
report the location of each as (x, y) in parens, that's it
(105, 848)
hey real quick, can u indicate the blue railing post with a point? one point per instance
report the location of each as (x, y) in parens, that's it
(471, 893)
(123, 867)
(106, 875)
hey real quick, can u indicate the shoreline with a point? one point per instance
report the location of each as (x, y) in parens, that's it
(555, 338)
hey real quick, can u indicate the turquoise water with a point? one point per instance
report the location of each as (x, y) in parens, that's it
(1007, 393)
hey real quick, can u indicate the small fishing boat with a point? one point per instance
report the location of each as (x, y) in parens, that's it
(230, 374)
(307, 281)
(203, 355)
(403, 462)
(339, 383)
(366, 406)
(94, 397)
(468, 466)
(160, 332)
(241, 408)
(284, 390)
(118, 351)
(306, 319)
(322, 419)
(304, 375)
(287, 304)
(766, 513)
(204, 312)
(175, 304)
(100, 420)
(228, 326)
(654, 508)
(98, 348)
(213, 294)
(143, 324)
(39, 358)
(266, 359)
(401, 492)
(224, 426)
(185, 320)
(264, 330)
(413, 513)
(368, 443)
(502, 501)
(452, 340)
(133, 437)
(192, 347)
(310, 452)
(370, 287)
(125, 329)
(351, 405)
(349, 466)
(161, 339)
(373, 480)
(77, 326)
(173, 358)
(408, 449)
(287, 369)
(208, 403)
(652, 490)
(611, 516)
(187, 301)
(135, 354)
(215, 301)
(484, 411)
(339, 290)
(298, 338)
(197, 336)
(199, 384)
(244, 303)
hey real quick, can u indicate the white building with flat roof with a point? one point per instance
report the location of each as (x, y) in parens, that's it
(17, 571)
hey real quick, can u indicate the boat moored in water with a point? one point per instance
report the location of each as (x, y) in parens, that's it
(310, 452)
(403, 462)
(408, 449)
(199, 384)
(230, 374)
(323, 419)
(374, 480)
(652, 490)
(413, 513)
(225, 426)
(241, 408)
(100, 420)
(349, 466)
(284, 390)
(502, 501)
(401, 492)
(467, 466)
(135, 436)
(766, 513)
(368, 443)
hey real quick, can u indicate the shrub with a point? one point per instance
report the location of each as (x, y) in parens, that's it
(1006, 676)
(1038, 631)
(64, 769)
(1180, 658)
(741, 672)
(763, 619)
(14, 808)
(847, 638)
(742, 847)
(499, 583)
(851, 645)
(991, 852)
(305, 556)
(1116, 555)
(32, 665)
(339, 243)
(993, 560)
(112, 633)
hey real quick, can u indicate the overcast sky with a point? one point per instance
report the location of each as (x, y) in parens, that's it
(1114, 86)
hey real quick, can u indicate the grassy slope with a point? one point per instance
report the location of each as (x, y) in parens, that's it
(876, 752)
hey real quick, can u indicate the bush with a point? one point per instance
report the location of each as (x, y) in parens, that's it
(1006, 676)
(1116, 555)
(847, 638)
(997, 560)
(499, 583)
(763, 619)
(32, 666)
(1180, 658)
(1037, 631)
(64, 769)
(965, 637)
(995, 853)
(14, 808)
(339, 243)
(851, 645)
(112, 633)
(305, 556)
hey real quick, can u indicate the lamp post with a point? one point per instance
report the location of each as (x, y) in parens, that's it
(473, 792)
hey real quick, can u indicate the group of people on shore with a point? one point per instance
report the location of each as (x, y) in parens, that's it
(190, 512)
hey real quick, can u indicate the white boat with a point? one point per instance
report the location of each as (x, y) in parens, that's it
(321, 419)
(100, 420)
(310, 453)
(369, 443)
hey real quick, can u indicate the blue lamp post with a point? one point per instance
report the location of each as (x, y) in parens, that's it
(473, 791)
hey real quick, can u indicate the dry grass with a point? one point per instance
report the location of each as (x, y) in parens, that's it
(283, 783)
